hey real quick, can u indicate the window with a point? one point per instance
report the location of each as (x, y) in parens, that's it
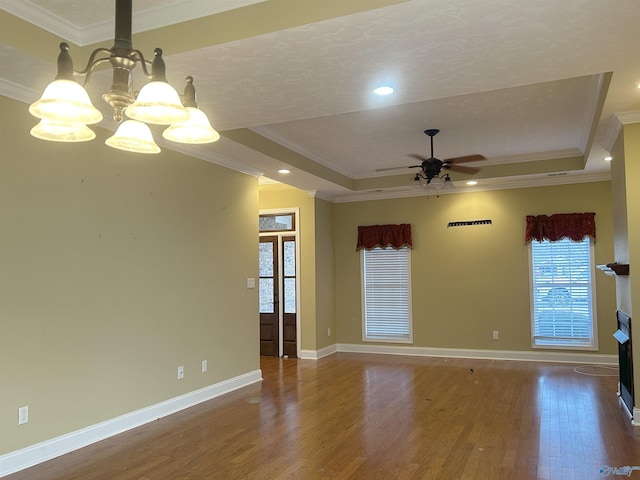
(277, 222)
(386, 294)
(561, 294)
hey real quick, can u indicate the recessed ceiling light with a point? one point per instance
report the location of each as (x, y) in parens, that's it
(284, 170)
(472, 182)
(383, 90)
(608, 159)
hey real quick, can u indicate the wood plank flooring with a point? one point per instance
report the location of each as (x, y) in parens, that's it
(354, 416)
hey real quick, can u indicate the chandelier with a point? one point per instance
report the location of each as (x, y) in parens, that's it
(65, 110)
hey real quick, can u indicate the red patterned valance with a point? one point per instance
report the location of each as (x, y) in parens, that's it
(395, 236)
(574, 226)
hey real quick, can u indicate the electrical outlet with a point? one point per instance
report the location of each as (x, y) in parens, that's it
(496, 335)
(180, 372)
(23, 415)
(329, 332)
(204, 366)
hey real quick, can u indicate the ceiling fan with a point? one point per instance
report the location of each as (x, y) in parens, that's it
(432, 166)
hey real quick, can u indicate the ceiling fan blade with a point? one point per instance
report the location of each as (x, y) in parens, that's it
(465, 159)
(460, 168)
(397, 168)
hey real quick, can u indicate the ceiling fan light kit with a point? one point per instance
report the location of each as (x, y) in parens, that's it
(65, 108)
(430, 175)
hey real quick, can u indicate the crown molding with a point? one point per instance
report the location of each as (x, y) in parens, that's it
(504, 183)
(593, 108)
(268, 133)
(149, 19)
(618, 120)
(18, 92)
(611, 134)
(628, 117)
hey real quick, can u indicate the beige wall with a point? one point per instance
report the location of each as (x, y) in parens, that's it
(116, 268)
(325, 275)
(469, 281)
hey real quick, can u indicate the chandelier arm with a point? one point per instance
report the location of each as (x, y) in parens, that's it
(143, 63)
(88, 71)
(92, 63)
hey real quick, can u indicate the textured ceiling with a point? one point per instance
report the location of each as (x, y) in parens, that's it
(289, 82)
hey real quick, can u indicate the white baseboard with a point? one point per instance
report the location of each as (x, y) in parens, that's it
(532, 356)
(49, 449)
(635, 421)
(316, 354)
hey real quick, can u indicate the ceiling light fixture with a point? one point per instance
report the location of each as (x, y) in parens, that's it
(608, 159)
(434, 182)
(65, 109)
(472, 182)
(284, 171)
(383, 90)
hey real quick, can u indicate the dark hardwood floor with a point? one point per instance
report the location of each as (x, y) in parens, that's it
(354, 416)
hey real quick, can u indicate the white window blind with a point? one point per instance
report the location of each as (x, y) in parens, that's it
(386, 295)
(562, 312)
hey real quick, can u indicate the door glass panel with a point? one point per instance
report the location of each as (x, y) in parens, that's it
(266, 295)
(266, 259)
(289, 295)
(289, 250)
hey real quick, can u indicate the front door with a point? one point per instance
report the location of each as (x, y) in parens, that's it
(278, 296)
(269, 297)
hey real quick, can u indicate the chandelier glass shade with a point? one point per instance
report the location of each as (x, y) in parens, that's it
(133, 136)
(157, 103)
(62, 131)
(433, 183)
(65, 108)
(196, 129)
(65, 101)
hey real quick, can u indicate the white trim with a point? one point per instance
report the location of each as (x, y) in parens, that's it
(635, 421)
(628, 117)
(611, 134)
(317, 354)
(18, 92)
(618, 120)
(599, 86)
(142, 21)
(486, 184)
(529, 356)
(49, 449)
(286, 142)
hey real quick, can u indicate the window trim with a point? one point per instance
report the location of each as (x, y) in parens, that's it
(592, 299)
(388, 339)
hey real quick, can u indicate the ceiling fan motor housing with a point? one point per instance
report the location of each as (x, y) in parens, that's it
(431, 168)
